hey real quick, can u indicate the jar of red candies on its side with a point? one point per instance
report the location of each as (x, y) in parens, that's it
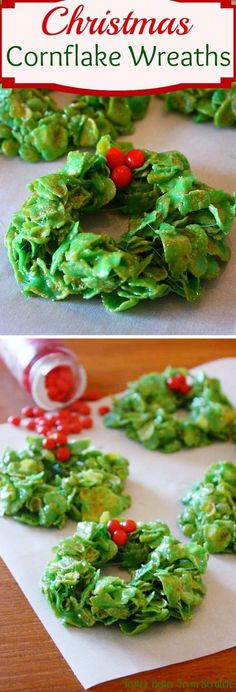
(46, 369)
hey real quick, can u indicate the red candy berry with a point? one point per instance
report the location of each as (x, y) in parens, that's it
(29, 424)
(52, 417)
(119, 530)
(14, 420)
(175, 382)
(103, 410)
(59, 421)
(135, 158)
(79, 407)
(87, 423)
(49, 443)
(94, 395)
(129, 525)
(75, 428)
(121, 176)
(62, 428)
(74, 408)
(42, 429)
(120, 537)
(113, 525)
(84, 409)
(185, 388)
(60, 438)
(115, 157)
(37, 411)
(64, 413)
(27, 411)
(63, 453)
(43, 421)
(178, 383)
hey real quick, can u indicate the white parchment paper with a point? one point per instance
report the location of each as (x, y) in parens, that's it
(156, 483)
(212, 155)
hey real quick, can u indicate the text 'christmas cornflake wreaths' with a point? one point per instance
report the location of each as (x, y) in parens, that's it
(44, 487)
(209, 514)
(165, 576)
(176, 237)
(34, 127)
(204, 105)
(148, 410)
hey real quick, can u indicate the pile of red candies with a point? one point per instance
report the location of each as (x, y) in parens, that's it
(59, 383)
(122, 165)
(120, 530)
(57, 425)
(179, 384)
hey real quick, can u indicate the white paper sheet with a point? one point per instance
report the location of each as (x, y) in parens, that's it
(212, 155)
(156, 483)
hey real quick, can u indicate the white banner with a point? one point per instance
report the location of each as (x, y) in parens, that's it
(114, 47)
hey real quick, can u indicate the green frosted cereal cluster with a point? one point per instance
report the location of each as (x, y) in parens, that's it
(209, 514)
(37, 489)
(27, 117)
(203, 105)
(33, 127)
(166, 582)
(176, 238)
(148, 412)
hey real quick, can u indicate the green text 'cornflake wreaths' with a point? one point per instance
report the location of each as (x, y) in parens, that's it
(176, 237)
(209, 516)
(203, 105)
(37, 489)
(165, 578)
(33, 127)
(148, 410)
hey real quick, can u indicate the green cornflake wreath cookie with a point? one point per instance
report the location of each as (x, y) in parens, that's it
(209, 516)
(176, 237)
(148, 410)
(32, 125)
(37, 489)
(165, 578)
(203, 105)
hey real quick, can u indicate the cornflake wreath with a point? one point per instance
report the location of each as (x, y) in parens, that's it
(203, 105)
(43, 487)
(35, 128)
(165, 576)
(176, 237)
(148, 411)
(209, 514)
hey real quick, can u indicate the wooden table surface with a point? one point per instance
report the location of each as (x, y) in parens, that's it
(30, 661)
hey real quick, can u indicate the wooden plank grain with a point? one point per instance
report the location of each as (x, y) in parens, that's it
(30, 661)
